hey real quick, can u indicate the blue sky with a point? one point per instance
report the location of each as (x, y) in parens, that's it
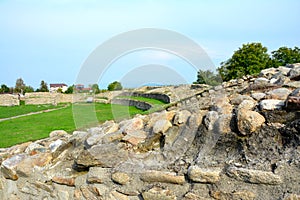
(50, 40)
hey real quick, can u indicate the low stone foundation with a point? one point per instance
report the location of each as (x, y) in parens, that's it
(36, 98)
(129, 102)
(9, 100)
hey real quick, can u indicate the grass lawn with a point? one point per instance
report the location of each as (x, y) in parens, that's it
(34, 127)
(144, 99)
(10, 111)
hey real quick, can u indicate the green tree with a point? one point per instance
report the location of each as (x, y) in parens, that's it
(70, 89)
(208, 77)
(28, 89)
(95, 88)
(20, 86)
(284, 56)
(59, 90)
(114, 86)
(251, 58)
(43, 87)
(4, 89)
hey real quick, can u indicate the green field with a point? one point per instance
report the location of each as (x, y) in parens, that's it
(38, 126)
(147, 100)
(10, 111)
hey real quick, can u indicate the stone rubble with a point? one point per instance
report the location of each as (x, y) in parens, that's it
(240, 140)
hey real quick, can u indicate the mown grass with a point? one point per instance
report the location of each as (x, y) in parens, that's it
(10, 111)
(144, 99)
(38, 126)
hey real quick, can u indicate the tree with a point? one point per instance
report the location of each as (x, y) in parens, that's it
(115, 86)
(28, 89)
(43, 87)
(20, 85)
(208, 77)
(4, 89)
(70, 89)
(249, 59)
(95, 88)
(59, 90)
(284, 56)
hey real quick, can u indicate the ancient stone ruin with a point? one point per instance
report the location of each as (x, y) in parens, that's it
(239, 140)
(9, 100)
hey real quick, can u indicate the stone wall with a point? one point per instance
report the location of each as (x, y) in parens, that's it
(159, 96)
(240, 143)
(129, 102)
(36, 98)
(9, 100)
(108, 96)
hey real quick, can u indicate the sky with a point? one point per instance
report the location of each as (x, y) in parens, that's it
(51, 40)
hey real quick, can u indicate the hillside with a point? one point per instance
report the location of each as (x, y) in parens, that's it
(239, 140)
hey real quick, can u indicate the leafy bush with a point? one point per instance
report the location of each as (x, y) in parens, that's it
(251, 58)
(208, 77)
(114, 86)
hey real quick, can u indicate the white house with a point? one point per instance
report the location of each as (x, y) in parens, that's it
(55, 86)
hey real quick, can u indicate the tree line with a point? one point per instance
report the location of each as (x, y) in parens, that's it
(22, 88)
(249, 59)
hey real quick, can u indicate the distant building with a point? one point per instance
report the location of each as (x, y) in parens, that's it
(55, 86)
(81, 88)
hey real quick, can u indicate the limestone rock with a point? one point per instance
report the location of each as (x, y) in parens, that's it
(296, 92)
(34, 148)
(111, 137)
(104, 155)
(164, 115)
(269, 72)
(237, 99)
(55, 145)
(88, 192)
(294, 84)
(280, 79)
(249, 121)
(94, 139)
(118, 196)
(161, 126)
(192, 196)
(158, 194)
(135, 137)
(294, 73)
(220, 103)
(70, 181)
(181, 117)
(58, 133)
(204, 175)
(254, 176)
(110, 127)
(98, 175)
(210, 119)
(131, 125)
(261, 80)
(223, 124)
(25, 167)
(271, 104)
(238, 195)
(120, 178)
(8, 167)
(163, 177)
(279, 93)
(247, 104)
(292, 197)
(258, 96)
